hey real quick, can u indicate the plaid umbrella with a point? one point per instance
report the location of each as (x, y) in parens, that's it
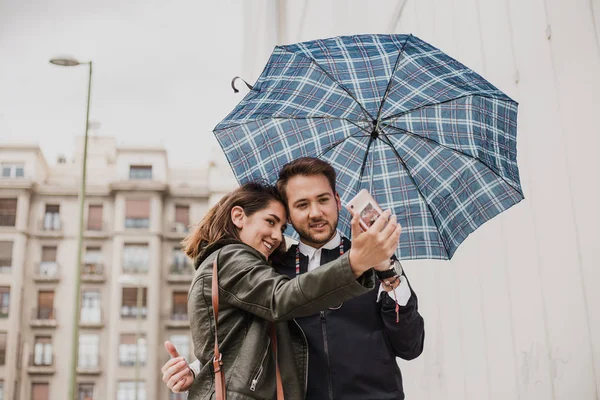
(428, 137)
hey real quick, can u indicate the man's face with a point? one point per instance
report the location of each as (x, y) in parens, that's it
(314, 208)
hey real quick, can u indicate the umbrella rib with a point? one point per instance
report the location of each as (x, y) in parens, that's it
(387, 141)
(335, 145)
(313, 61)
(440, 103)
(316, 117)
(404, 131)
(389, 85)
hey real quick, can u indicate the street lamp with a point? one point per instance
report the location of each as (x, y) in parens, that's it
(71, 62)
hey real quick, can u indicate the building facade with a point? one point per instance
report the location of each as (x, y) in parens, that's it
(134, 277)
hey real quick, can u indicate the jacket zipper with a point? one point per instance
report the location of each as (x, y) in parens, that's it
(326, 346)
(306, 366)
(260, 370)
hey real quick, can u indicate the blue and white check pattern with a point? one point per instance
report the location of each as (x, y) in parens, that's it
(445, 156)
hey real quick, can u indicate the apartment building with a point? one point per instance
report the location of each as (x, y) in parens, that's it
(134, 278)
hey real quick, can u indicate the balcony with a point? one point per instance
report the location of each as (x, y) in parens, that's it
(178, 319)
(177, 230)
(43, 318)
(131, 312)
(93, 272)
(47, 272)
(89, 366)
(180, 273)
(41, 364)
(91, 318)
(50, 226)
(8, 220)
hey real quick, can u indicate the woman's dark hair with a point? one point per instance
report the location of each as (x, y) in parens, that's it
(217, 223)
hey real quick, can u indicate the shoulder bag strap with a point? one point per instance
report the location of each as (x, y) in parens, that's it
(220, 391)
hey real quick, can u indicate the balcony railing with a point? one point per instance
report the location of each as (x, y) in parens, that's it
(92, 272)
(91, 318)
(89, 365)
(135, 269)
(132, 312)
(8, 219)
(42, 364)
(47, 271)
(180, 272)
(178, 319)
(137, 223)
(180, 227)
(43, 317)
(51, 223)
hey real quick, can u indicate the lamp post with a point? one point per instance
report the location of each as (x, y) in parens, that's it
(71, 62)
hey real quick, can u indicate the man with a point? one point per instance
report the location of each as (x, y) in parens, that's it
(352, 347)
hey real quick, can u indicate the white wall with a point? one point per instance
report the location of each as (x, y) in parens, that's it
(515, 314)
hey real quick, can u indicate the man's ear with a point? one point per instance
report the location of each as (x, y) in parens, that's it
(338, 201)
(237, 216)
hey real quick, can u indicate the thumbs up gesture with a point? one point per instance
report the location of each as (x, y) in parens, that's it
(176, 372)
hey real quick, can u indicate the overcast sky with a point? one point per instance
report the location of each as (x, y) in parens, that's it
(161, 72)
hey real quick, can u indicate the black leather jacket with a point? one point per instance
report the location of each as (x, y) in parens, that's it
(251, 294)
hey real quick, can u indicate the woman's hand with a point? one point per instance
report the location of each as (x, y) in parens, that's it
(176, 372)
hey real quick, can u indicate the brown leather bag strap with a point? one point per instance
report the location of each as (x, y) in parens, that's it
(273, 334)
(220, 390)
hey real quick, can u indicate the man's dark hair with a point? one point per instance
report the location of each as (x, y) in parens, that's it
(305, 166)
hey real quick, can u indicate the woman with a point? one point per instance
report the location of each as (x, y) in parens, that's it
(241, 232)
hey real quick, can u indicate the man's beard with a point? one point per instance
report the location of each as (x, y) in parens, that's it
(308, 237)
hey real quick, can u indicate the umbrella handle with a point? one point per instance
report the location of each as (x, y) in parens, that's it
(233, 84)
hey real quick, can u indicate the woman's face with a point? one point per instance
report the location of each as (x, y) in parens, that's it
(262, 230)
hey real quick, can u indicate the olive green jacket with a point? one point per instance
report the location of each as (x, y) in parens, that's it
(251, 295)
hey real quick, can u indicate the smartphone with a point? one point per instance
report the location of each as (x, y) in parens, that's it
(364, 205)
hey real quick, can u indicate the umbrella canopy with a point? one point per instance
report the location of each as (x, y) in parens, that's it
(428, 137)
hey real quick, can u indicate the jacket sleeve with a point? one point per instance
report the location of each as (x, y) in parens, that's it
(248, 282)
(407, 336)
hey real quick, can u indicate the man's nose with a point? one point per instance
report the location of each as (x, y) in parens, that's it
(315, 211)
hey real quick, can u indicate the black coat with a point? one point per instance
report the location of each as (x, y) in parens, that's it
(353, 349)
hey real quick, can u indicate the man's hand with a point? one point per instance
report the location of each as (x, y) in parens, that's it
(374, 246)
(176, 372)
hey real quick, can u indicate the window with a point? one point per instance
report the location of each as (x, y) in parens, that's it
(94, 222)
(92, 261)
(182, 344)
(126, 390)
(48, 266)
(6, 256)
(90, 307)
(3, 347)
(129, 307)
(179, 312)
(42, 350)
(180, 265)
(8, 212)
(88, 350)
(128, 351)
(140, 172)
(85, 391)
(182, 219)
(40, 391)
(45, 305)
(4, 301)
(135, 258)
(13, 170)
(52, 217)
(137, 214)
